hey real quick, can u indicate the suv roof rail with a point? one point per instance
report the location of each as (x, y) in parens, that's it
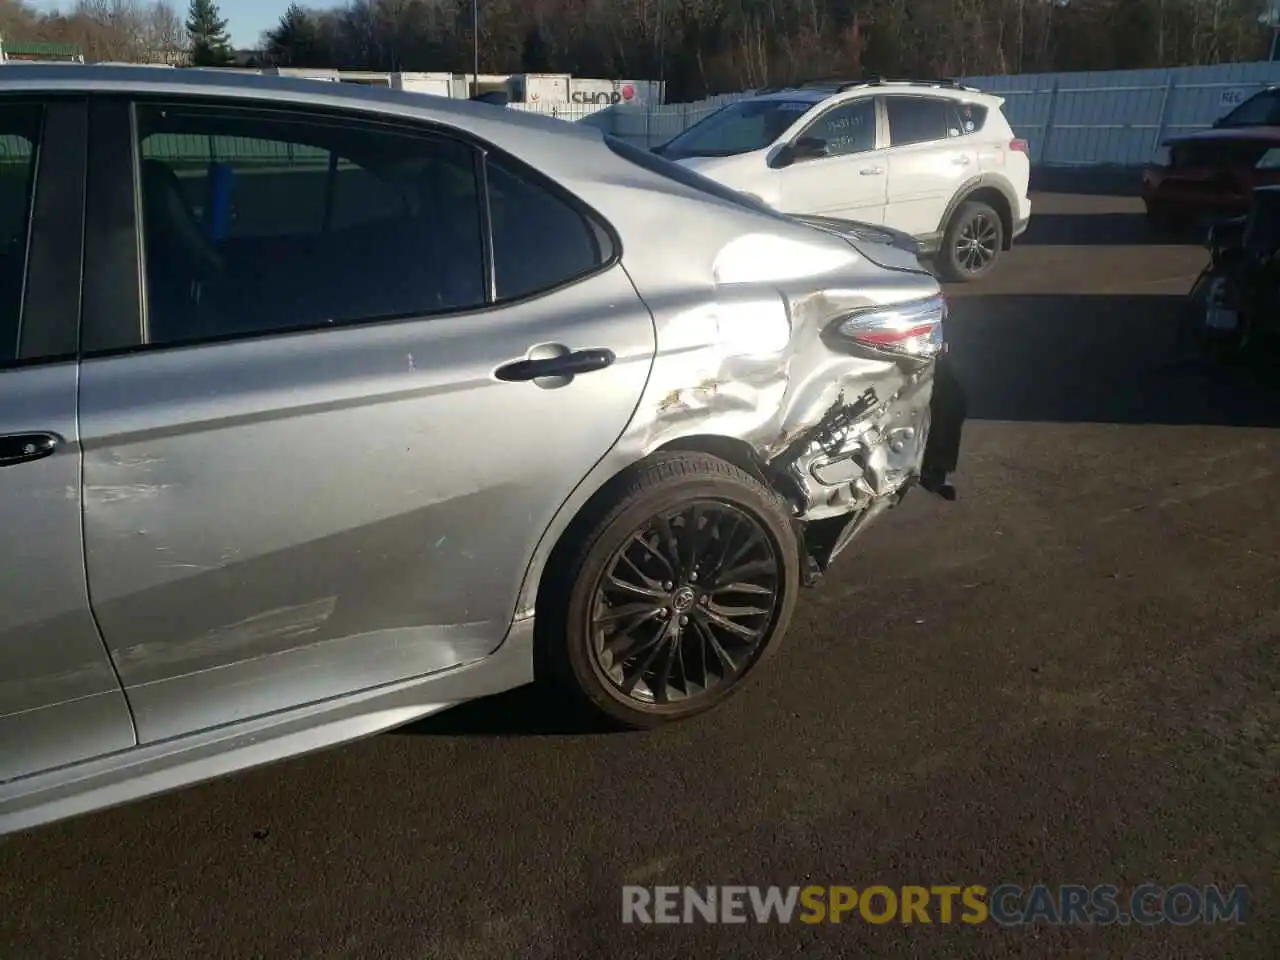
(840, 85)
(946, 83)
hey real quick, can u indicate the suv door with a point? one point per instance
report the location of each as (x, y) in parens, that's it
(60, 701)
(849, 181)
(929, 159)
(316, 470)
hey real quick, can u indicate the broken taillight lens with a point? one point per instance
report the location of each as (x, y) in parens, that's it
(912, 329)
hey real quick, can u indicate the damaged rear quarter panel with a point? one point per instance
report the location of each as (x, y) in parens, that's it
(720, 372)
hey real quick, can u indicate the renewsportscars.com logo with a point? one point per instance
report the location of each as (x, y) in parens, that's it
(1009, 905)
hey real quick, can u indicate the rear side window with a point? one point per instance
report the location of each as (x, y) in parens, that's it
(19, 132)
(917, 120)
(540, 240)
(965, 118)
(256, 223)
(1260, 110)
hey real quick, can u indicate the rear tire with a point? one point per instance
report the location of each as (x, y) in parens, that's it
(971, 244)
(646, 623)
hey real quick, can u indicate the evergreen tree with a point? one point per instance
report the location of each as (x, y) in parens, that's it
(294, 42)
(207, 31)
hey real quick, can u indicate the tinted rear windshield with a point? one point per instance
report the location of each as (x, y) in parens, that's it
(1260, 110)
(740, 127)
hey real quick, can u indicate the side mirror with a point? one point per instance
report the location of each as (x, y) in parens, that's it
(807, 148)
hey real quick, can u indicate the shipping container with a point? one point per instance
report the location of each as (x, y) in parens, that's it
(540, 87)
(302, 73)
(367, 78)
(434, 84)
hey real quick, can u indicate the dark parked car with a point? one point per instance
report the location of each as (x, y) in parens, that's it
(1212, 174)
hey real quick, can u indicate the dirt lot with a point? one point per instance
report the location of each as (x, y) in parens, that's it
(1071, 675)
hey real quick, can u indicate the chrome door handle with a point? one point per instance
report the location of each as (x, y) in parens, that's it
(871, 171)
(960, 161)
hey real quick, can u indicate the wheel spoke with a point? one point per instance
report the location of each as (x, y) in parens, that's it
(635, 611)
(729, 559)
(734, 613)
(622, 652)
(750, 589)
(634, 591)
(653, 552)
(659, 684)
(727, 666)
(636, 673)
(710, 618)
(755, 568)
(696, 535)
(667, 539)
(638, 575)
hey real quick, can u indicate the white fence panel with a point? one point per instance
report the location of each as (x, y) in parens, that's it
(1120, 116)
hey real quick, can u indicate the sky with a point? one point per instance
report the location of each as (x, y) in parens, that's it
(246, 19)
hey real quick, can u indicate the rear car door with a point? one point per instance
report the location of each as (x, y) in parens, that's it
(929, 158)
(310, 466)
(60, 701)
(850, 180)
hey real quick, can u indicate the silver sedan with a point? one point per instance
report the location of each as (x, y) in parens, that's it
(325, 408)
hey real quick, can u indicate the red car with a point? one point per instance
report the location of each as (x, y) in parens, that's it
(1211, 175)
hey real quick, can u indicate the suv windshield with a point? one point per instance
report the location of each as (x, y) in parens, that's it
(737, 128)
(1260, 110)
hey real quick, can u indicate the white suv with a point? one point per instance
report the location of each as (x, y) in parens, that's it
(932, 159)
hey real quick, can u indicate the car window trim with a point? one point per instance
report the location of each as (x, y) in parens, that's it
(943, 101)
(480, 159)
(54, 240)
(114, 292)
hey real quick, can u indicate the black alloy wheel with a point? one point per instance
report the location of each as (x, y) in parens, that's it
(674, 586)
(973, 242)
(686, 603)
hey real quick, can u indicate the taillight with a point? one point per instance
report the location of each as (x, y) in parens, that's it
(1020, 146)
(912, 329)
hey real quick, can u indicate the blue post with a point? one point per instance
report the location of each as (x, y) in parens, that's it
(220, 181)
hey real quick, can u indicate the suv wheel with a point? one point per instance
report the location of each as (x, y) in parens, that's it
(678, 593)
(972, 243)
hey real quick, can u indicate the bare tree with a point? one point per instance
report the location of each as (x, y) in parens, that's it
(699, 46)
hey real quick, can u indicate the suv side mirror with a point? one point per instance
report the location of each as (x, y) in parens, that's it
(806, 148)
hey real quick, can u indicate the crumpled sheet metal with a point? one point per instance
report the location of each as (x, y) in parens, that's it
(720, 375)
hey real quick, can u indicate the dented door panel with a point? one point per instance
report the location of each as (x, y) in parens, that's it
(275, 522)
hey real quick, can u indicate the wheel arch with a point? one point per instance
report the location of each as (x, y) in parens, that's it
(578, 515)
(994, 192)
